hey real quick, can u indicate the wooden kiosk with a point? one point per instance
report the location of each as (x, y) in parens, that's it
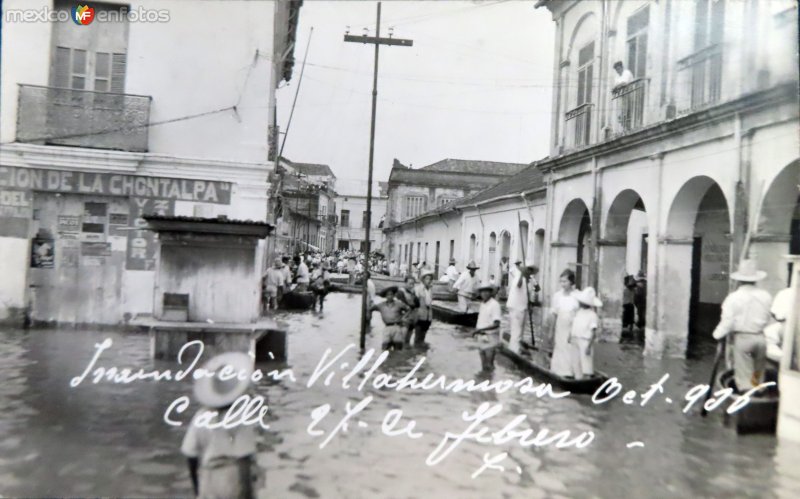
(208, 288)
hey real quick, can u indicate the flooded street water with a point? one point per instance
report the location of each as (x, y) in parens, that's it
(110, 439)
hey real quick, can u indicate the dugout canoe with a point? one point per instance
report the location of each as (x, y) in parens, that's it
(586, 386)
(760, 415)
(298, 300)
(346, 288)
(451, 316)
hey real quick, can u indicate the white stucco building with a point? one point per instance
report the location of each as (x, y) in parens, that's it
(152, 107)
(664, 172)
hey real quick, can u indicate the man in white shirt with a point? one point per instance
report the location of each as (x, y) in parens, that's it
(303, 279)
(774, 333)
(488, 326)
(452, 271)
(466, 285)
(624, 76)
(521, 292)
(745, 314)
(393, 269)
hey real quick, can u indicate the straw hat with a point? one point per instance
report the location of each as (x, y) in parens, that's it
(425, 273)
(748, 272)
(452, 261)
(472, 266)
(382, 293)
(485, 287)
(588, 296)
(214, 392)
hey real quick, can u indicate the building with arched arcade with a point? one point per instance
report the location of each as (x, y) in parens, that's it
(677, 166)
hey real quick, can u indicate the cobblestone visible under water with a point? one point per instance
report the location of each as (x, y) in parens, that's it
(111, 440)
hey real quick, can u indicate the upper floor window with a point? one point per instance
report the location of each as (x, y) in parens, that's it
(414, 205)
(345, 218)
(585, 60)
(637, 42)
(709, 22)
(443, 201)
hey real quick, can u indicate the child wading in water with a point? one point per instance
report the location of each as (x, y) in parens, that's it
(488, 325)
(393, 313)
(220, 459)
(582, 337)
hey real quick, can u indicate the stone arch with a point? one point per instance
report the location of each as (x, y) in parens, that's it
(574, 233)
(622, 251)
(778, 226)
(696, 264)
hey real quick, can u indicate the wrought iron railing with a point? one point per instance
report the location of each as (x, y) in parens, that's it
(99, 120)
(578, 124)
(628, 102)
(700, 78)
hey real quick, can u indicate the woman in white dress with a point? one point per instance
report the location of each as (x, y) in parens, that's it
(564, 306)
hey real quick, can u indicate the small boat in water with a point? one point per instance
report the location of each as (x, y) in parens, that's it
(760, 415)
(586, 386)
(452, 316)
(298, 300)
(346, 288)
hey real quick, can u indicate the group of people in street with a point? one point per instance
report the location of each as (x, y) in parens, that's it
(293, 275)
(406, 312)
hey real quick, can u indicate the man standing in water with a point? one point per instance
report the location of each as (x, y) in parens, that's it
(488, 325)
(745, 314)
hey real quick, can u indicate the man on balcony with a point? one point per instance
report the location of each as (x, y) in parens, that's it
(623, 104)
(624, 76)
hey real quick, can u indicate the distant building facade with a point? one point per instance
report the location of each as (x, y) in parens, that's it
(663, 170)
(305, 202)
(351, 203)
(105, 122)
(412, 192)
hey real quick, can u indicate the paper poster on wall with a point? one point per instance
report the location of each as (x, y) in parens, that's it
(69, 226)
(42, 253)
(95, 249)
(141, 242)
(118, 224)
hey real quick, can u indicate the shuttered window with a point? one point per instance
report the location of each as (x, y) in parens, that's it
(118, 64)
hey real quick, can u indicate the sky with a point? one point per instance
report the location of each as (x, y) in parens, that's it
(475, 85)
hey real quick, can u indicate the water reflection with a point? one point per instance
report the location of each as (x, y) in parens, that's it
(111, 439)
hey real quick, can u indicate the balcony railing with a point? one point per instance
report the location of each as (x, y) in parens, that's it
(83, 118)
(700, 78)
(578, 124)
(628, 103)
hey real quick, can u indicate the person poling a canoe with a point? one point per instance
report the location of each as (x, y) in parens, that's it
(522, 289)
(488, 326)
(466, 285)
(745, 314)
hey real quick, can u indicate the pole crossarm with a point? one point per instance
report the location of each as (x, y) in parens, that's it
(379, 40)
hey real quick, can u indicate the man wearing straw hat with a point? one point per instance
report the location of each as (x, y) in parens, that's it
(466, 285)
(745, 313)
(488, 325)
(220, 458)
(424, 315)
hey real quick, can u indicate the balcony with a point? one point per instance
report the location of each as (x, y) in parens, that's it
(577, 124)
(700, 79)
(82, 118)
(628, 103)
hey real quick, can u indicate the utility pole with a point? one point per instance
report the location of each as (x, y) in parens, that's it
(377, 41)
